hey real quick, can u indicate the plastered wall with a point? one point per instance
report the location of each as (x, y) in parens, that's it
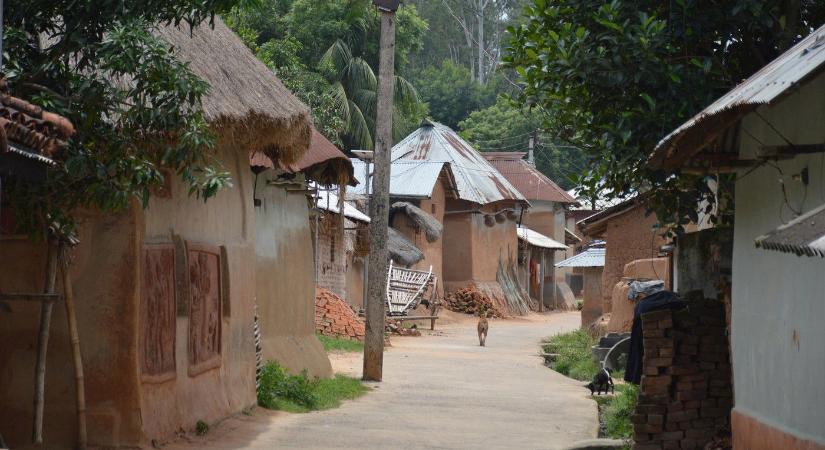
(778, 300)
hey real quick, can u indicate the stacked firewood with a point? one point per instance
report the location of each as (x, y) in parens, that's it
(470, 300)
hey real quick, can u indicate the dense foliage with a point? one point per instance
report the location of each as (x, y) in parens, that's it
(575, 357)
(136, 108)
(327, 53)
(615, 76)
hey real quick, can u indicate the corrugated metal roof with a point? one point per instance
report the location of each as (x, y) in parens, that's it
(475, 179)
(592, 257)
(328, 201)
(804, 236)
(537, 239)
(532, 184)
(414, 179)
(769, 83)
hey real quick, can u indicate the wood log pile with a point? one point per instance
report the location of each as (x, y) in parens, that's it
(334, 317)
(469, 300)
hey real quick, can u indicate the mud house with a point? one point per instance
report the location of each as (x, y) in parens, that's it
(546, 215)
(288, 267)
(341, 242)
(768, 131)
(630, 234)
(590, 262)
(441, 174)
(165, 295)
(535, 263)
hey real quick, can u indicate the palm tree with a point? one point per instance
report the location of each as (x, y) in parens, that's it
(355, 88)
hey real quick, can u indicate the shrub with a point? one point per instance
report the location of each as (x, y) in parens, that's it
(277, 385)
(297, 393)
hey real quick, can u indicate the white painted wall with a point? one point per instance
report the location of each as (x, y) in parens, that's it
(778, 314)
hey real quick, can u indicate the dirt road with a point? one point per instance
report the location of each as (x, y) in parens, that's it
(440, 391)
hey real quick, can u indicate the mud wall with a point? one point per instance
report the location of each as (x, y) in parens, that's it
(103, 269)
(285, 285)
(592, 298)
(630, 236)
(331, 256)
(214, 370)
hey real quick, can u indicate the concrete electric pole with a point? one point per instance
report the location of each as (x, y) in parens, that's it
(379, 203)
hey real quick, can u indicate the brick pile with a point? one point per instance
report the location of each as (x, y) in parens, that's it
(334, 317)
(685, 396)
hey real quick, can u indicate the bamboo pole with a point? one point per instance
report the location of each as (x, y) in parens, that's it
(43, 342)
(80, 390)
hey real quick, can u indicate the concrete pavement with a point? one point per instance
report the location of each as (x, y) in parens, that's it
(439, 391)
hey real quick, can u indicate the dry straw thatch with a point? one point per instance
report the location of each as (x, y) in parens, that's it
(431, 226)
(247, 104)
(401, 250)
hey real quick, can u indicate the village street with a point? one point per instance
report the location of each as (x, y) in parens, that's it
(439, 391)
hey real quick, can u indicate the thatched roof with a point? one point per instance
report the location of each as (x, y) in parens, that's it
(431, 226)
(402, 251)
(247, 102)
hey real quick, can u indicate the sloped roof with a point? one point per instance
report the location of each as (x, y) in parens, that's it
(402, 250)
(328, 201)
(592, 257)
(28, 131)
(322, 162)
(803, 236)
(532, 184)
(770, 83)
(409, 179)
(537, 239)
(475, 179)
(245, 95)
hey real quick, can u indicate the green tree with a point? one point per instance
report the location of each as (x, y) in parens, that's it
(337, 39)
(136, 108)
(451, 93)
(614, 76)
(505, 127)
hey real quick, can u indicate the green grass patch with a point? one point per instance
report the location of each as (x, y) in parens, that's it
(615, 411)
(340, 344)
(297, 393)
(575, 359)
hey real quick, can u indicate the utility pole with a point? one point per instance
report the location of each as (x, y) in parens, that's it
(379, 204)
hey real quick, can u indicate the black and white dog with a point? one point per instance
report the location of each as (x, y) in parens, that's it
(602, 381)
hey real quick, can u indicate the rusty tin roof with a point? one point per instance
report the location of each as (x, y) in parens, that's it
(532, 184)
(322, 162)
(778, 77)
(476, 180)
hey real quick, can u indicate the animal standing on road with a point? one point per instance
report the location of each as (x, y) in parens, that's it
(602, 381)
(483, 326)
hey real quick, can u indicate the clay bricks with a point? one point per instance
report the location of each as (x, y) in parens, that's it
(685, 394)
(334, 317)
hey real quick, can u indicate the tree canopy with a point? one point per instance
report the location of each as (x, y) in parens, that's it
(135, 107)
(614, 76)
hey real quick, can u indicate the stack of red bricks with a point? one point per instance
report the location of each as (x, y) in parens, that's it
(334, 317)
(685, 396)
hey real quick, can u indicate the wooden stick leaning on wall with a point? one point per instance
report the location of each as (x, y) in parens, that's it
(71, 318)
(52, 254)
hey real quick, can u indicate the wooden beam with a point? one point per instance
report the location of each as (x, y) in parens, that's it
(770, 151)
(30, 297)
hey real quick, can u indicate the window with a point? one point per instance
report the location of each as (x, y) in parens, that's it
(157, 313)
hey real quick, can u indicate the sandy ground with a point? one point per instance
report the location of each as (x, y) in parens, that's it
(440, 390)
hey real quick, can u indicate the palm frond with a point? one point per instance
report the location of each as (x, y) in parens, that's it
(339, 94)
(366, 101)
(359, 75)
(404, 94)
(358, 130)
(338, 55)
